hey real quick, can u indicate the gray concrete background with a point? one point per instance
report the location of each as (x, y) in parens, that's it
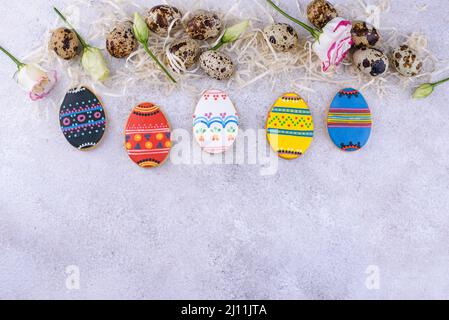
(224, 232)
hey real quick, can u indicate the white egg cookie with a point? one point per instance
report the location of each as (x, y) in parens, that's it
(215, 122)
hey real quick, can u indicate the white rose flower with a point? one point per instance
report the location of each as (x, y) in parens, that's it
(33, 78)
(36, 80)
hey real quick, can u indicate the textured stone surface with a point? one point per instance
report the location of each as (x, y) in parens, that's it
(199, 231)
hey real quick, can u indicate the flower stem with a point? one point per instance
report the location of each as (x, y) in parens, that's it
(315, 33)
(218, 46)
(16, 61)
(83, 42)
(440, 82)
(158, 62)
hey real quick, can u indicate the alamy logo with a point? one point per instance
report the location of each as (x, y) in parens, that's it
(251, 147)
(72, 281)
(372, 281)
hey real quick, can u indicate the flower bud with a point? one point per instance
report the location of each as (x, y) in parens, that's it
(423, 91)
(140, 29)
(93, 63)
(233, 33)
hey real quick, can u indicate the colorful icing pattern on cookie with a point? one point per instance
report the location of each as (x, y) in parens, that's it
(215, 122)
(82, 118)
(349, 120)
(148, 136)
(290, 128)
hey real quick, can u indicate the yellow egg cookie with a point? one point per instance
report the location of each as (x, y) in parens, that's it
(290, 126)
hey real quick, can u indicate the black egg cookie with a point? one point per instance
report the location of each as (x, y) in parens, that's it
(82, 118)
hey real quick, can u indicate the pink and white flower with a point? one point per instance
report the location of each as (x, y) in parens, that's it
(36, 80)
(334, 43)
(33, 78)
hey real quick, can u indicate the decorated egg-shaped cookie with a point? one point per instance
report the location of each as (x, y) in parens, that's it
(215, 122)
(148, 136)
(82, 118)
(349, 120)
(290, 128)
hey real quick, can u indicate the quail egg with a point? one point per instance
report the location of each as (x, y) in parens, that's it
(121, 42)
(204, 25)
(370, 61)
(185, 50)
(160, 18)
(406, 61)
(65, 43)
(217, 65)
(364, 34)
(282, 36)
(320, 12)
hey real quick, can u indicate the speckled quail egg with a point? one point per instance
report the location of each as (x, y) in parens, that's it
(217, 65)
(160, 18)
(121, 42)
(65, 43)
(320, 12)
(282, 36)
(204, 25)
(364, 34)
(407, 61)
(186, 50)
(370, 61)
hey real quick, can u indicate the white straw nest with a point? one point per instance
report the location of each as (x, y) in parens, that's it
(253, 54)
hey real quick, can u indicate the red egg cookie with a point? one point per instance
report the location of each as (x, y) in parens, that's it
(148, 136)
